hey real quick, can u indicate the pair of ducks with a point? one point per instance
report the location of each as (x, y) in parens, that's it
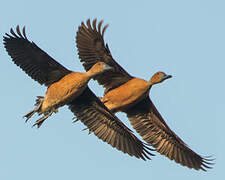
(123, 92)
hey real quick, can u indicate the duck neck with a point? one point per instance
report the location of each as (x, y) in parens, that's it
(150, 83)
(90, 73)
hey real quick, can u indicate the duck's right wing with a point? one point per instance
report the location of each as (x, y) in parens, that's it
(148, 122)
(106, 126)
(91, 49)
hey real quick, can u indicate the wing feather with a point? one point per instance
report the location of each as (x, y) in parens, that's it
(31, 59)
(106, 126)
(145, 118)
(92, 48)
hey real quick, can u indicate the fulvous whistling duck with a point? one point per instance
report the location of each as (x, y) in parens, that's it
(65, 87)
(131, 95)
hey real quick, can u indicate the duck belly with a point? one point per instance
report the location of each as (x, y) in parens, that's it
(63, 92)
(125, 96)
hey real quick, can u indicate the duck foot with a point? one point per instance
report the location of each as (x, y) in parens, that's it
(39, 122)
(38, 104)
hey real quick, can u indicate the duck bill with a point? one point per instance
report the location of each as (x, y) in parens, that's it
(167, 77)
(107, 67)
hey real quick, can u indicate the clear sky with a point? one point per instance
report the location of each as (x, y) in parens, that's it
(183, 38)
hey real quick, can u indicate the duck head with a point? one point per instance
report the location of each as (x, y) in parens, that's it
(159, 77)
(98, 68)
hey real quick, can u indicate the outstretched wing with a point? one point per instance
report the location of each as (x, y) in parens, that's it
(106, 126)
(91, 48)
(147, 121)
(31, 59)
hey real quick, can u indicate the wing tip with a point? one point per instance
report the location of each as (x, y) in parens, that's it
(93, 27)
(15, 34)
(207, 162)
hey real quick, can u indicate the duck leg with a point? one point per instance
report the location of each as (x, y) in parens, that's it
(39, 122)
(38, 104)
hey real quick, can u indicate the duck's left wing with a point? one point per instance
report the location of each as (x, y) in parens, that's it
(33, 60)
(106, 126)
(92, 48)
(148, 122)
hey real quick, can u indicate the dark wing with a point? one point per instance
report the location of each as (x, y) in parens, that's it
(147, 121)
(31, 59)
(91, 48)
(106, 126)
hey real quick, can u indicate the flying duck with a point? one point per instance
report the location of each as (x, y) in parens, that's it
(65, 87)
(125, 93)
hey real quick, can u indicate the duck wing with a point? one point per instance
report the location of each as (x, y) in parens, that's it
(31, 59)
(148, 122)
(106, 126)
(91, 48)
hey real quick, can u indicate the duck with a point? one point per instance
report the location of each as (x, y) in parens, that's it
(129, 94)
(66, 87)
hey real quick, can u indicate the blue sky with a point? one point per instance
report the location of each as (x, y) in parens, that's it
(182, 38)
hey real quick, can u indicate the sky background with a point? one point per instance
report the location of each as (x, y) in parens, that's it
(183, 38)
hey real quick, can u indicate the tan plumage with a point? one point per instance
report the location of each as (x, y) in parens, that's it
(70, 88)
(131, 95)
